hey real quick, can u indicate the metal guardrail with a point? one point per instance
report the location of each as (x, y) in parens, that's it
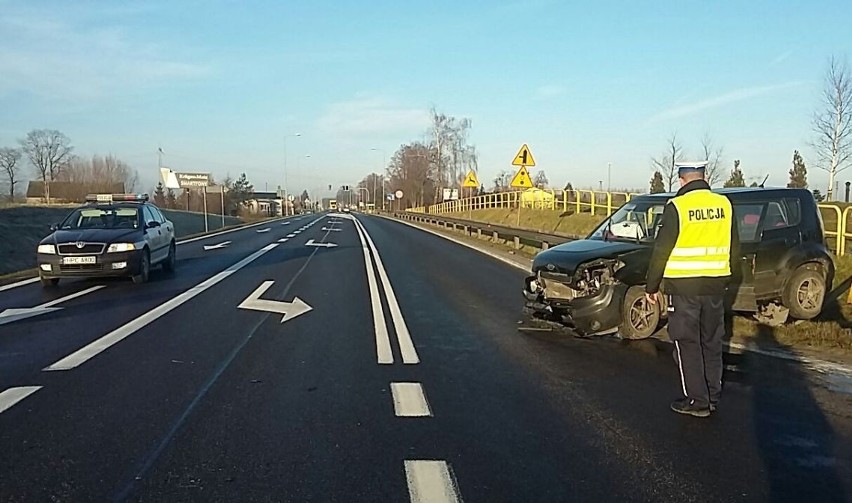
(520, 237)
(590, 201)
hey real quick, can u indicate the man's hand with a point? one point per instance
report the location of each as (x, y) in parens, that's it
(653, 298)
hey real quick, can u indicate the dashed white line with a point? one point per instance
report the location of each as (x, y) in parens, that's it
(409, 400)
(11, 396)
(93, 349)
(283, 240)
(430, 481)
(406, 345)
(291, 235)
(19, 283)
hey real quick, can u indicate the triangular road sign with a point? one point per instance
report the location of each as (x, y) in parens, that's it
(470, 180)
(522, 179)
(524, 157)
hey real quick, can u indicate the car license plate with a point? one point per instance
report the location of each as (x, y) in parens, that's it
(79, 260)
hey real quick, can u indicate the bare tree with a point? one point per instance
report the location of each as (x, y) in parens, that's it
(666, 164)
(541, 180)
(833, 123)
(713, 156)
(49, 151)
(10, 164)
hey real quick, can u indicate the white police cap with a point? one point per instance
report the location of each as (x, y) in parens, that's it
(691, 167)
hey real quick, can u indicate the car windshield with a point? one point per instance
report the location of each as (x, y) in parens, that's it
(635, 221)
(102, 218)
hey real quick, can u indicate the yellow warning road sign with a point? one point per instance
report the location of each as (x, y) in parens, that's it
(524, 157)
(522, 179)
(470, 180)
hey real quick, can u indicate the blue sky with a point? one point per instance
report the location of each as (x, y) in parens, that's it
(219, 84)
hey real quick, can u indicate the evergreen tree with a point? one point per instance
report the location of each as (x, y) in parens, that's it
(736, 179)
(657, 186)
(241, 190)
(798, 173)
(171, 200)
(160, 195)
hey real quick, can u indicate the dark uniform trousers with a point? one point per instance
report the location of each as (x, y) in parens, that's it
(697, 327)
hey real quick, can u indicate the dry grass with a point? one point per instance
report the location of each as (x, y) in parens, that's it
(547, 221)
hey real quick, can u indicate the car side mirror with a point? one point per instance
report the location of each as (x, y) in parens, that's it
(54, 227)
(153, 224)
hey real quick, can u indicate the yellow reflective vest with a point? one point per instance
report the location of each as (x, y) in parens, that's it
(703, 245)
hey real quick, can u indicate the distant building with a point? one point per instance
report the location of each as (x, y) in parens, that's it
(265, 203)
(69, 192)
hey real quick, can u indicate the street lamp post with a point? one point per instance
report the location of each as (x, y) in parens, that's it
(296, 135)
(384, 163)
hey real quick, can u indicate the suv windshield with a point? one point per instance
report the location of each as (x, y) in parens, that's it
(635, 221)
(102, 218)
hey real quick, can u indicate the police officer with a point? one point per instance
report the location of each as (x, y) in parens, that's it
(694, 252)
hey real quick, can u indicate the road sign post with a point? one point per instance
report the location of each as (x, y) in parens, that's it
(522, 178)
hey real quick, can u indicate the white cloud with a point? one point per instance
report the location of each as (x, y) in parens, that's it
(372, 117)
(55, 59)
(780, 58)
(719, 101)
(549, 91)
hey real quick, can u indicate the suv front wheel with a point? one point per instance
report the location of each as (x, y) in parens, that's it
(805, 292)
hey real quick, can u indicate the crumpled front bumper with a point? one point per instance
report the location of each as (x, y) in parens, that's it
(586, 315)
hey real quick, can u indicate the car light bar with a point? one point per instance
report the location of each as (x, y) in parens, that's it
(109, 198)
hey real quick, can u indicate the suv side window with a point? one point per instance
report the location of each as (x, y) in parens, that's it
(794, 210)
(748, 221)
(776, 216)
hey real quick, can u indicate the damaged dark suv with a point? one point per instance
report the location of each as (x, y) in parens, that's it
(596, 285)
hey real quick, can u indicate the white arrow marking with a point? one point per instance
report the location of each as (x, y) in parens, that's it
(331, 229)
(15, 314)
(311, 242)
(261, 231)
(289, 309)
(223, 244)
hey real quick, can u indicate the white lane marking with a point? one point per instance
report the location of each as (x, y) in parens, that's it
(331, 229)
(311, 242)
(285, 223)
(15, 314)
(283, 240)
(93, 349)
(406, 345)
(384, 354)
(19, 283)
(430, 481)
(290, 310)
(291, 235)
(226, 231)
(261, 231)
(11, 396)
(72, 296)
(223, 244)
(409, 400)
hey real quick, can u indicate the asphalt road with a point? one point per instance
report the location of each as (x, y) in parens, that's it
(406, 378)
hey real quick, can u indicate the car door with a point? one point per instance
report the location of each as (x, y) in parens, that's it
(153, 234)
(779, 233)
(167, 228)
(748, 216)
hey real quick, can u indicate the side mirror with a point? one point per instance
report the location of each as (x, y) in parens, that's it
(153, 224)
(54, 227)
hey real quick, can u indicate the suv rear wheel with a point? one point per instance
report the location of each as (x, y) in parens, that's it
(805, 292)
(639, 318)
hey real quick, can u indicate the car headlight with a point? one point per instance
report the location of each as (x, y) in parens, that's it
(50, 249)
(121, 247)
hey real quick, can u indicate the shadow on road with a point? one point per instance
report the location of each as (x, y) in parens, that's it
(795, 440)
